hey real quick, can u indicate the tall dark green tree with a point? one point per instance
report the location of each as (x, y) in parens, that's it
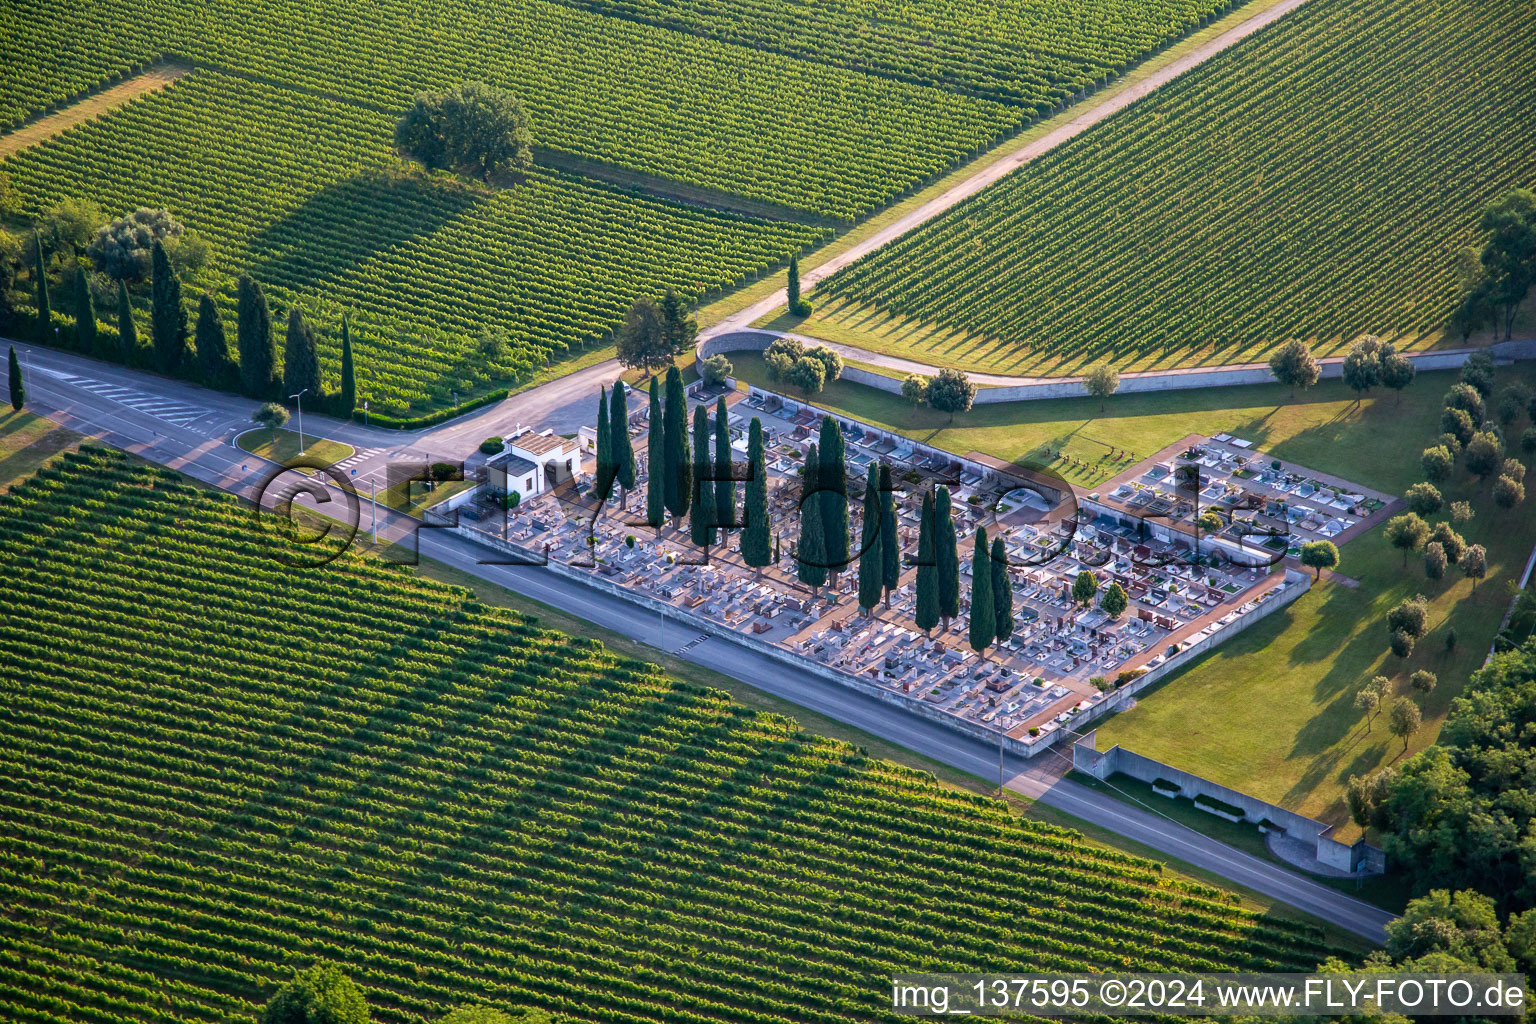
(301, 360)
(346, 399)
(85, 314)
(832, 477)
(40, 283)
(127, 330)
(212, 346)
(927, 612)
(603, 483)
(756, 545)
(679, 329)
(655, 461)
(725, 483)
(701, 521)
(253, 337)
(870, 575)
(620, 449)
(983, 613)
(797, 305)
(18, 386)
(167, 313)
(947, 554)
(1002, 591)
(675, 446)
(810, 552)
(890, 539)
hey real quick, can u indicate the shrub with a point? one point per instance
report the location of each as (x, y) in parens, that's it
(715, 370)
(492, 446)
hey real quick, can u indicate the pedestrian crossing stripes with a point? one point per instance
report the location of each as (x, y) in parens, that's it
(180, 414)
(358, 455)
(691, 644)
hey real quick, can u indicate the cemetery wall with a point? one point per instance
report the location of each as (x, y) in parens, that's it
(1130, 383)
(1359, 857)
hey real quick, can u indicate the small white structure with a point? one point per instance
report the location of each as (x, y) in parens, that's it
(532, 463)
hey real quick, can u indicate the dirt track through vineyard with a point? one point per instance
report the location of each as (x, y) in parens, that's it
(94, 105)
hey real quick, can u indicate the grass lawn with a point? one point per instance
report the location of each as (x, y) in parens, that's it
(27, 442)
(283, 447)
(1389, 892)
(1271, 711)
(875, 330)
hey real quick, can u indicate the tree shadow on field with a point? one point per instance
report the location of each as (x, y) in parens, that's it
(342, 226)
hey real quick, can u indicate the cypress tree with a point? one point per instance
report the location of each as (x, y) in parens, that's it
(890, 539)
(347, 400)
(18, 386)
(85, 314)
(603, 484)
(253, 336)
(702, 519)
(832, 476)
(167, 314)
(620, 449)
(792, 292)
(947, 554)
(870, 551)
(725, 484)
(927, 613)
(1002, 591)
(755, 550)
(212, 346)
(810, 552)
(655, 461)
(127, 330)
(675, 446)
(983, 614)
(40, 281)
(301, 362)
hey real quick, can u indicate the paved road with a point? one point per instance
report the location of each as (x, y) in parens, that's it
(192, 429)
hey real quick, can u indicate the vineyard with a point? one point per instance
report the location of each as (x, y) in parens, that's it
(828, 141)
(1033, 53)
(304, 194)
(1292, 187)
(218, 769)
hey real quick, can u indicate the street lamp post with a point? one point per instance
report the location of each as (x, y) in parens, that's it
(299, 398)
(373, 497)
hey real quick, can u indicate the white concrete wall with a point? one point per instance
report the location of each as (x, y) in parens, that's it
(1130, 383)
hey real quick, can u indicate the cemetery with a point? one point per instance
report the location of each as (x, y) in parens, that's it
(1065, 658)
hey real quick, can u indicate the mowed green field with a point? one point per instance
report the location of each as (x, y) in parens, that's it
(1316, 181)
(247, 768)
(1271, 711)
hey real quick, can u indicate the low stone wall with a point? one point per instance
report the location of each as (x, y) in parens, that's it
(1130, 383)
(1359, 857)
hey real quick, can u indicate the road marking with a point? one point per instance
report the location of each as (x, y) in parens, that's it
(180, 414)
(358, 455)
(691, 644)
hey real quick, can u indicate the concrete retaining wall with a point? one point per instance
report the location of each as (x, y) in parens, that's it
(1359, 857)
(1130, 383)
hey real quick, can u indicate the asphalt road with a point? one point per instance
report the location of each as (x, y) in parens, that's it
(192, 429)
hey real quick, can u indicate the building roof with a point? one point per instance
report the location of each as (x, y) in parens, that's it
(540, 444)
(512, 465)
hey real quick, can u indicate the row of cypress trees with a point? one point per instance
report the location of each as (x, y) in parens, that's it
(171, 349)
(685, 480)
